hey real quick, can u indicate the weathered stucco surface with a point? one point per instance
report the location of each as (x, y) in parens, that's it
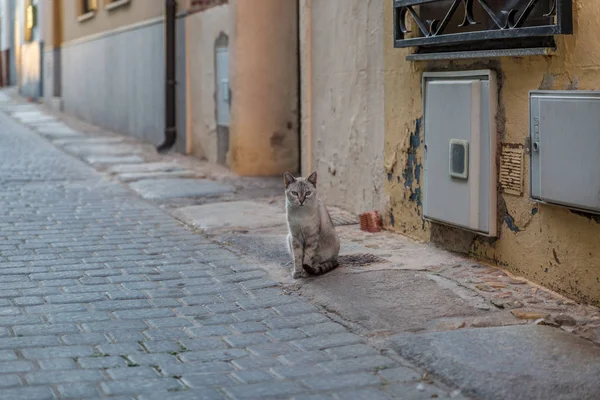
(549, 245)
(103, 20)
(203, 29)
(263, 63)
(346, 102)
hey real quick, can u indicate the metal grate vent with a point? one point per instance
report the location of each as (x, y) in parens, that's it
(511, 169)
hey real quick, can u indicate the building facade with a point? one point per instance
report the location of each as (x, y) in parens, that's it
(8, 68)
(105, 62)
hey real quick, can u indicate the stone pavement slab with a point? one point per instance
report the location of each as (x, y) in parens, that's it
(244, 215)
(57, 130)
(156, 189)
(85, 149)
(516, 362)
(111, 160)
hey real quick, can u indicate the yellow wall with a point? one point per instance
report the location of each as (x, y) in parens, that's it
(553, 246)
(264, 84)
(103, 20)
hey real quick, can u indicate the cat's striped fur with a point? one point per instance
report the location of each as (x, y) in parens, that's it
(312, 239)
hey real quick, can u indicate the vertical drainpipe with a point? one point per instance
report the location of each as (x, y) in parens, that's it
(170, 82)
(308, 85)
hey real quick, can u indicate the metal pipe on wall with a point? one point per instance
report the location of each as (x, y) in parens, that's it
(170, 78)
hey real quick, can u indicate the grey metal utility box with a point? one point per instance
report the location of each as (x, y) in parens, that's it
(459, 179)
(565, 148)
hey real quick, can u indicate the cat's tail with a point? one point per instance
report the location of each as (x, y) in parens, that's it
(321, 268)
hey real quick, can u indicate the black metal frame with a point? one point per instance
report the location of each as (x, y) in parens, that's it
(509, 23)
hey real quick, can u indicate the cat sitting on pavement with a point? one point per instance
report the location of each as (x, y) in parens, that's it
(312, 240)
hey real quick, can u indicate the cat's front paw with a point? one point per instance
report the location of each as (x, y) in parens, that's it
(297, 274)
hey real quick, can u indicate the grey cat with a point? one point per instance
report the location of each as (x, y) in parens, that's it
(312, 240)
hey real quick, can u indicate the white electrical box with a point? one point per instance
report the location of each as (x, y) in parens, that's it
(459, 180)
(565, 148)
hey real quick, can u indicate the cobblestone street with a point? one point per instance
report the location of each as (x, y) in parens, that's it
(105, 295)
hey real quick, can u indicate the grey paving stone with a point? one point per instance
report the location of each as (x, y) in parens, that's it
(248, 327)
(7, 355)
(271, 349)
(101, 362)
(132, 373)
(126, 335)
(207, 380)
(166, 333)
(173, 369)
(107, 326)
(15, 366)
(375, 394)
(168, 322)
(323, 329)
(29, 393)
(295, 321)
(48, 329)
(201, 394)
(144, 313)
(342, 381)
(54, 377)
(7, 381)
(78, 390)
(246, 340)
(328, 341)
(355, 350)
(264, 389)
(209, 343)
(304, 357)
(285, 335)
(85, 338)
(76, 298)
(79, 317)
(153, 359)
(253, 362)
(297, 371)
(298, 307)
(58, 352)
(114, 305)
(163, 346)
(121, 348)
(206, 331)
(252, 376)
(57, 364)
(213, 355)
(370, 363)
(138, 386)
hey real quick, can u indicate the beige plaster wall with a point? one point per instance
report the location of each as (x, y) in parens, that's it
(264, 84)
(202, 30)
(103, 20)
(345, 56)
(549, 245)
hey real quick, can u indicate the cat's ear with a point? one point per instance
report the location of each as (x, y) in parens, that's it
(288, 179)
(312, 178)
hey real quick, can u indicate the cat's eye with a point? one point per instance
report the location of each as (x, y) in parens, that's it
(294, 193)
(308, 193)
